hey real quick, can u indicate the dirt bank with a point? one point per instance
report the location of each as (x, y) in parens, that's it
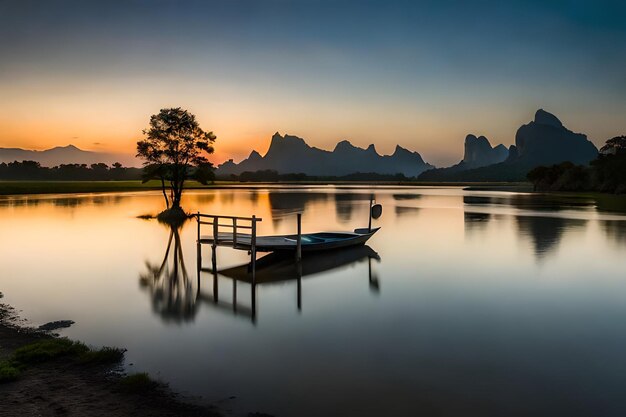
(68, 386)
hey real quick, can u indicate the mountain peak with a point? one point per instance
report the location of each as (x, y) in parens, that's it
(542, 117)
(344, 145)
(69, 147)
(400, 150)
(254, 155)
(478, 152)
(372, 149)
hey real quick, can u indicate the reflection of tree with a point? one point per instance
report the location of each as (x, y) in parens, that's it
(173, 293)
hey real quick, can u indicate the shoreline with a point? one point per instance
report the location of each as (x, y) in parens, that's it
(66, 385)
(17, 188)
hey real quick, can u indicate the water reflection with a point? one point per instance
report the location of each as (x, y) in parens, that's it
(172, 291)
(276, 268)
(66, 201)
(615, 230)
(294, 201)
(475, 221)
(402, 211)
(506, 304)
(545, 233)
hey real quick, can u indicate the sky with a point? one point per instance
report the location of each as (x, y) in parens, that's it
(422, 74)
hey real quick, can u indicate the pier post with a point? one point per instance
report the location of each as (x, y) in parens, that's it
(299, 239)
(214, 244)
(198, 221)
(234, 232)
(199, 248)
(253, 250)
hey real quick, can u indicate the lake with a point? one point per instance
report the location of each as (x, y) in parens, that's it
(464, 303)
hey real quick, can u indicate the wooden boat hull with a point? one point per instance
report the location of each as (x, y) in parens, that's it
(311, 242)
(322, 241)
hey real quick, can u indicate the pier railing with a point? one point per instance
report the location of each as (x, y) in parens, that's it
(234, 223)
(231, 222)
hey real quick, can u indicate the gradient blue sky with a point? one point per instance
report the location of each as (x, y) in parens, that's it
(419, 73)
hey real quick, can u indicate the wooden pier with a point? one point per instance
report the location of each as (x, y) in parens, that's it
(236, 237)
(243, 241)
(285, 263)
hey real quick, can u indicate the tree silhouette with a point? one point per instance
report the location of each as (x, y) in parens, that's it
(173, 151)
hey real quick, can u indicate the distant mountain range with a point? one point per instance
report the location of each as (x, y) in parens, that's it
(65, 155)
(291, 154)
(543, 141)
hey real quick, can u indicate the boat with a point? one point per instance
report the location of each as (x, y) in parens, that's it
(300, 242)
(310, 242)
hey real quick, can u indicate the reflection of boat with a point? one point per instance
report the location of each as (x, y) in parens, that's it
(310, 241)
(277, 267)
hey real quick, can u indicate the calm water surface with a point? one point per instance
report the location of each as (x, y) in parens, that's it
(465, 303)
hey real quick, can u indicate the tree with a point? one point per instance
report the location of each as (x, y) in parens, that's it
(173, 151)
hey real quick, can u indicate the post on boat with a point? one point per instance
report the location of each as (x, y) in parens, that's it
(299, 239)
(253, 249)
(369, 225)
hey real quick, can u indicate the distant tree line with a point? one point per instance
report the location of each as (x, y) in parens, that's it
(32, 170)
(269, 175)
(605, 174)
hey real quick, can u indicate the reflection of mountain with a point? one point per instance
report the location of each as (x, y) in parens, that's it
(402, 211)
(475, 221)
(291, 154)
(615, 230)
(401, 197)
(546, 232)
(344, 205)
(173, 293)
(293, 201)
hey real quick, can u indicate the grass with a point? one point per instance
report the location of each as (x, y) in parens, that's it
(137, 383)
(106, 355)
(46, 350)
(8, 371)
